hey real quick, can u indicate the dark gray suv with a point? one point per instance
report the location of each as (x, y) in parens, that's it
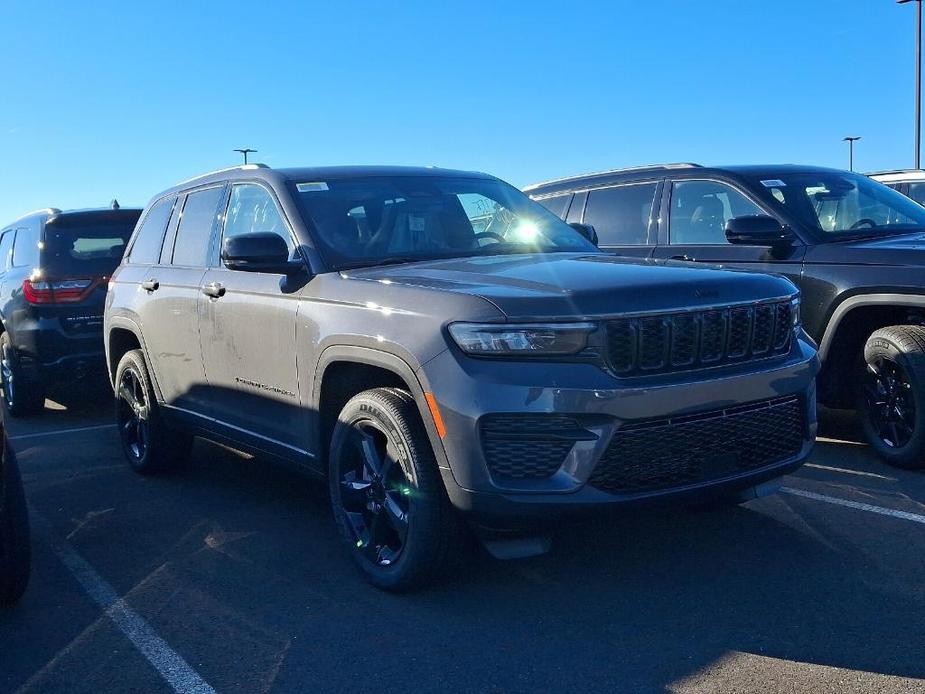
(449, 354)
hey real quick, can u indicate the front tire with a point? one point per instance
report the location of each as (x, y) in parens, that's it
(23, 396)
(388, 498)
(891, 399)
(15, 548)
(150, 446)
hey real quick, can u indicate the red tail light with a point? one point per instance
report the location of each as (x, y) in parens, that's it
(58, 291)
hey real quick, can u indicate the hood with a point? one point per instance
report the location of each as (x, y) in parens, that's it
(559, 285)
(900, 250)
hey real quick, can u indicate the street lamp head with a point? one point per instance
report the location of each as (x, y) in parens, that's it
(851, 139)
(903, 2)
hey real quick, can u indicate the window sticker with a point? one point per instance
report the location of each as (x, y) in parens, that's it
(312, 187)
(415, 222)
(774, 183)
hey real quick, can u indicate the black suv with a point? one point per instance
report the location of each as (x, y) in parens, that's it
(433, 342)
(54, 268)
(855, 248)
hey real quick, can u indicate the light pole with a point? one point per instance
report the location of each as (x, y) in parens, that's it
(245, 152)
(851, 141)
(918, 80)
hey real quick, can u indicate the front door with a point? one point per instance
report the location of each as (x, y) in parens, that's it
(248, 327)
(697, 212)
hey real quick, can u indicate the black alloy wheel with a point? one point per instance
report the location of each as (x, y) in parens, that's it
(132, 414)
(890, 402)
(387, 493)
(891, 394)
(375, 494)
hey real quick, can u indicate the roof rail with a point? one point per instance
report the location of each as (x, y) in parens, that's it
(894, 171)
(49, 210)
(239, 167)
(627, 169)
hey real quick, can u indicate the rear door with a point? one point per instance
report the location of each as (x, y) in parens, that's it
(624, 217)
(248, 328)
(169, 310)
(694, 213)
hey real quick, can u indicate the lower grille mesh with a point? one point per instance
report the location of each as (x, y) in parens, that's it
(527, 446)
(647, 456)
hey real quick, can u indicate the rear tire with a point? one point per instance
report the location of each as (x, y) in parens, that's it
(15, 547)
(891, 396)
(387, 494)
(149, 444)
(23, 396)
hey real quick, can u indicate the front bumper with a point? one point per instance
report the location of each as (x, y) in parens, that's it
(468, 389)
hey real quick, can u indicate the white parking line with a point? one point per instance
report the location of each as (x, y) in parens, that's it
(181, 677)
(59, 432)
(904, 515)
(849, 472)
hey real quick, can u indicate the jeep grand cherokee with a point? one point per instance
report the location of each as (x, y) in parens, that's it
(443, 350)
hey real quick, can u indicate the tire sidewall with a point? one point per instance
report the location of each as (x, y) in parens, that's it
(913, 453)
(134, 361)
(422, 505)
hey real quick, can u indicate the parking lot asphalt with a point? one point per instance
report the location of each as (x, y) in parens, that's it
(229, 576)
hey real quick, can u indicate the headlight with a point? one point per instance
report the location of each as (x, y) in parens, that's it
(528, 339)
(795, 313)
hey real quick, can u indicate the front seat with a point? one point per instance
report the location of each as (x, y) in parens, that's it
(708, 222)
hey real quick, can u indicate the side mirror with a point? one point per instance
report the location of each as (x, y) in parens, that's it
(258, 252)
(757, 230)
(585, 230)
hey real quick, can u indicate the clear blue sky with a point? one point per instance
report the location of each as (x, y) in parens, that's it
(123, 99)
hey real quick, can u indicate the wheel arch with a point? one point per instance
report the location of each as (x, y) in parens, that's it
(123, 335)
(851, 304)
(365, 368)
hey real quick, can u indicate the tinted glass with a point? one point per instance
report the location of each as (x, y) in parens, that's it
(6, 247)
(557, 205)
(252, 209)
(85, 247)
(147, 245)
(370, 221)
(620, 215)
(917, 192)
(194, 235)
(842, 204)
(26, 247)
(700, 210)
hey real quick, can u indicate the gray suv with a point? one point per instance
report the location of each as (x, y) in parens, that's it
(449, 355)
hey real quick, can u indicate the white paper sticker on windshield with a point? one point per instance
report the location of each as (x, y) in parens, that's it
(774, 183)
(415, 222)
(312, 187)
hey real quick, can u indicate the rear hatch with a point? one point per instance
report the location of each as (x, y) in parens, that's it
(79, 252)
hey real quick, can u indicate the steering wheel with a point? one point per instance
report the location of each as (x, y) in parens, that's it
(489, 234)
(869, 222)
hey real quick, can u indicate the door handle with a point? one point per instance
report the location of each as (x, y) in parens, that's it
(150, 285)
(681, 257)
(214, 290)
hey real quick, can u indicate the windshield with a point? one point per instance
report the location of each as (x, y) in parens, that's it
(841, 204)
(370, 221)
(92, 250)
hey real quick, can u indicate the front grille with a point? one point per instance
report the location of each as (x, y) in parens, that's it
(673, 342)
(528, 446)
(659, 454)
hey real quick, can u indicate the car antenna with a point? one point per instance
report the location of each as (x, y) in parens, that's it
(114, 204)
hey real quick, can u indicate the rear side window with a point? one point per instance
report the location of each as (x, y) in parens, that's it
(557, 204)
(6, 246)
(26, 247)
(621, 215)
(194, 235)
(917, 192)
(146, 249)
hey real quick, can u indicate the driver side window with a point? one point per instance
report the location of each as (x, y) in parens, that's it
(700, 210)
(251, 209)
